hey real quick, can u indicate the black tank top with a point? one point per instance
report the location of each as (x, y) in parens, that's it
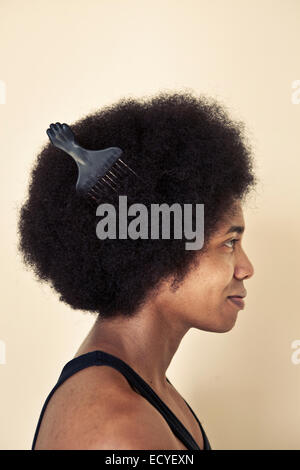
(99, 358)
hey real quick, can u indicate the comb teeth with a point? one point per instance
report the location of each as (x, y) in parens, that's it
(128, 167)
(110, 181)
(113, 176)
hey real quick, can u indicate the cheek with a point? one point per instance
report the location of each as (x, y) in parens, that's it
(205, 288)
(213, 293)
(223, 274)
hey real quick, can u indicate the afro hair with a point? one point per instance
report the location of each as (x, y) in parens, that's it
(185, 149)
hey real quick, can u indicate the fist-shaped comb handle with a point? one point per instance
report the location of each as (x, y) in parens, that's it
(93, 165)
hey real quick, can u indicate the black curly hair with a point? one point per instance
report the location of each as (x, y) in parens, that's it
(186, 150)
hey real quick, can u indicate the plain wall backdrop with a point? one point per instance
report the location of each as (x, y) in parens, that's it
(65, 59)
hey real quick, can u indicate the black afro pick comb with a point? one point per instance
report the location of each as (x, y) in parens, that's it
(98, 170)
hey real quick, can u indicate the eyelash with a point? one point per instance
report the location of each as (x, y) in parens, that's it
(233, 240)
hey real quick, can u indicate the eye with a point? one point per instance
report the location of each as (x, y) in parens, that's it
(232, 240)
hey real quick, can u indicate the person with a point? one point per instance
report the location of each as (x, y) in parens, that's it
(147, 294)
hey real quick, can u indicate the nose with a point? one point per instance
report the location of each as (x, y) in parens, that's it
(244, 268)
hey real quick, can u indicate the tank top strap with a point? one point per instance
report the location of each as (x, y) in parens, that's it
(205, 438)
(136, 382)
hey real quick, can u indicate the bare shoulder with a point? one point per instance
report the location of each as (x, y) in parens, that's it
(97, 409)
(135, 428)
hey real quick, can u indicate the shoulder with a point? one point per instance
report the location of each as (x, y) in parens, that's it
(97, 409)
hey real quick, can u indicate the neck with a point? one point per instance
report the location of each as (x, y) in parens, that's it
(147, 342)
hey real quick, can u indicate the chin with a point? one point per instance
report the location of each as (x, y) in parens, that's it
(222, 327)
(218, 321)
(227, 328)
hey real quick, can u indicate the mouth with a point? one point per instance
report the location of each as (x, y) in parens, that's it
(237, 300)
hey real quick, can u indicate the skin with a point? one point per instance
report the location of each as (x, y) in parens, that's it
(148, 341)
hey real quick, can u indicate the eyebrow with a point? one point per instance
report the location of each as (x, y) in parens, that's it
(236, 228)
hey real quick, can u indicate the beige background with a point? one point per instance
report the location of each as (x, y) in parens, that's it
(64, 59)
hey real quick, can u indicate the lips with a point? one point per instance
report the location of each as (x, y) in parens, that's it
(237, 301)
(242, 294)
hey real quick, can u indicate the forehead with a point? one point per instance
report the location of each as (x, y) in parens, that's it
(234, 218)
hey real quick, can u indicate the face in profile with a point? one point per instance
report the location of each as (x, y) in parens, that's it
(202, 300)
